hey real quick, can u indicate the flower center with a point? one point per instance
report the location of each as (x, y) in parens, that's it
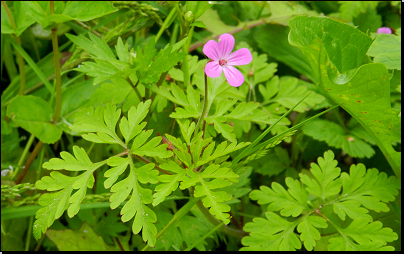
(222, 62)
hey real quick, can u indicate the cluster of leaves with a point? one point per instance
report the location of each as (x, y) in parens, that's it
(99, 126)
(350, 196)
(137, 82)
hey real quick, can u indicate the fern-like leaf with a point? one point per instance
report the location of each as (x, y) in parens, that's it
(222, 177)
(136, 206)
(361, 235)
(361, 191)
(291, 203)
(56, 203)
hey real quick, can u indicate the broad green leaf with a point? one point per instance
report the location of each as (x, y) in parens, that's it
(386, 49)
(20, 17)
(290, 203)
(351, 9)
(324, 184)
(361, 235)
(336, 52)
(74, 98)
(115, 92)
(368, 21)
(81, 11)
(83, 239)
(87, 10)
(337, 137)
(283, 11)
(273, 40)
(38, 121)
(273, 233)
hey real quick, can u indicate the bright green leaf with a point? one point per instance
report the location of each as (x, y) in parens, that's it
(38, 121)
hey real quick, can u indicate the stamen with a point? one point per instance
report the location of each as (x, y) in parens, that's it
(222, 62)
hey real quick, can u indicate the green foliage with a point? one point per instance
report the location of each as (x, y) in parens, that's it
(72, 10)
(362, 90)
(286, 92)
(351, 195)
(337, 137)
(37, 122)
(20, 17)
(83, 239)
(149, 71)
(103, 121)
(106, 65)
(273, 40)
(349, 9)
(386, 49)
(150, 140)
(56, 203)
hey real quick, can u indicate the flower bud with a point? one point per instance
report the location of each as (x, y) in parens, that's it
(189, 16)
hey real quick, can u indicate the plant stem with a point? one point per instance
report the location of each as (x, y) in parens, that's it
(204, 237)
(21, 64)
(205, 106)
(177, 216)
(29, 232)
(157, 167)
(262, 8)
(340, 120)
(26, 149)
(135, 88)
(29, 162)
(183, 28)
(230, 231)
(40, 242)
(165, 24)
(55, 45)
(31, 220)
(174, 34)
(185, 48)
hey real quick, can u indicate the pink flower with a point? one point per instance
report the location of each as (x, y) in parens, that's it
(223, 60)
(384, 30)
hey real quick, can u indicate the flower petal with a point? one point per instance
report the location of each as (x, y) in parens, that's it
(211, 50)
(233, 76)
(226, 45)
(213, 69)
(240, 57)
(381, 30)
